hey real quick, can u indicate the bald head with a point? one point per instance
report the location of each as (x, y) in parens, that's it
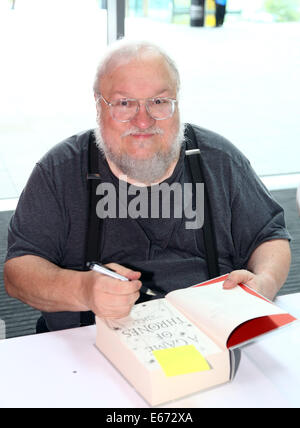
(123, 52)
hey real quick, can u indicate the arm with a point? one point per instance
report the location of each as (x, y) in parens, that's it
(268, 268)
(49, 288)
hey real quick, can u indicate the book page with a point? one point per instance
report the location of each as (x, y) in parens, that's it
(157, 325)
(217, 311)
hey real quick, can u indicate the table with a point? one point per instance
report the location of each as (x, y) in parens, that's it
(65, 369)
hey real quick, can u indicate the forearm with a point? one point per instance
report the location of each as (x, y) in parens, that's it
(271, 263)
(43, 285)
(49, 288)
(267, 269)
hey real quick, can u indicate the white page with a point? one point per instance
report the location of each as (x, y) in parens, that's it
(158, 325)
(217, 311)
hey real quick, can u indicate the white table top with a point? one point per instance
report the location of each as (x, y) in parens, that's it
(64, 369)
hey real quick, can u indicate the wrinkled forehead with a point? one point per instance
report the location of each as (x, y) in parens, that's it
(148, 65)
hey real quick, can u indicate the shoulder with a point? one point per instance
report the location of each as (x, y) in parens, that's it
(216, 149)
(72, 150)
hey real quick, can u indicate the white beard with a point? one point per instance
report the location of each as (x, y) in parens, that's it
(143, 170)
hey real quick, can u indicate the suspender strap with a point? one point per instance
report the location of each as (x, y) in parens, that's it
(93, 230)
(93, 177)
(196, 167)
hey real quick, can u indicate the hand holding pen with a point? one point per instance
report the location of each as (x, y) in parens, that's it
(108, 297)
(98, 267)
(112, 290)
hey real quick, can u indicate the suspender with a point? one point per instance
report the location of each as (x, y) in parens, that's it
(93, 232)
(196, 167)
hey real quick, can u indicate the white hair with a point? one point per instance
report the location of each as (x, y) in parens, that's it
(124, 51)
(148, 170)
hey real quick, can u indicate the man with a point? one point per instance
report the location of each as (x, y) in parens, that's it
(140, 138)
(220, 12)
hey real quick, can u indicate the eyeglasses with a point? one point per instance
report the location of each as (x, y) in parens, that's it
(125, 109)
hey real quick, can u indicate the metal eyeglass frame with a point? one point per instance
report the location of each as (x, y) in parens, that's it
(110, 104)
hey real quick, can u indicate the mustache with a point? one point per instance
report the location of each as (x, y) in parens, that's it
(137, 131)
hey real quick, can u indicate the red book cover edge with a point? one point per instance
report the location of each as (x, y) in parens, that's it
(254, 327)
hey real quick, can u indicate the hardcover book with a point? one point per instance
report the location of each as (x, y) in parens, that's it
(184, 343)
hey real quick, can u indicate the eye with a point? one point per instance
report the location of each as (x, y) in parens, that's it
(159, 101)
(123, 103)
(126, 103)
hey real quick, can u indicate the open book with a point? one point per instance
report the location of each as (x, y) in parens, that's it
(171, 347)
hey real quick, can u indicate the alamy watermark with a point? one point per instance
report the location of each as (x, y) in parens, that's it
(162, 200)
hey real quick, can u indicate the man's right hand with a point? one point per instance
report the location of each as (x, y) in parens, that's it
(47, 287)
(111, 298)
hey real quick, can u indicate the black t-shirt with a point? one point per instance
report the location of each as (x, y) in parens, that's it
(51, 218)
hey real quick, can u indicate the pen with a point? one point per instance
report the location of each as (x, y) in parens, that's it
(98, 267)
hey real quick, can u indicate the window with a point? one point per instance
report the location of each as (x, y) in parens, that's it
(47, 69)
(241, 80)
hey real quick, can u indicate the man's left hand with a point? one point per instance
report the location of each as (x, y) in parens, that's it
(246, 277)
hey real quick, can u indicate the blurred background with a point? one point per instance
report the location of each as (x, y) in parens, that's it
(241, 79)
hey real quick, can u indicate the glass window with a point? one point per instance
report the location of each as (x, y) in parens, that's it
(49, 53)
(241, 79)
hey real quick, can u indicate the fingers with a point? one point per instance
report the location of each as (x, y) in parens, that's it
(112, 298)
(112, 286)
(122, 270)
(116, 307)
(236, 277)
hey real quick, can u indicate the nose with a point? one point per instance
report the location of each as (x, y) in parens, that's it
(142, 119)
